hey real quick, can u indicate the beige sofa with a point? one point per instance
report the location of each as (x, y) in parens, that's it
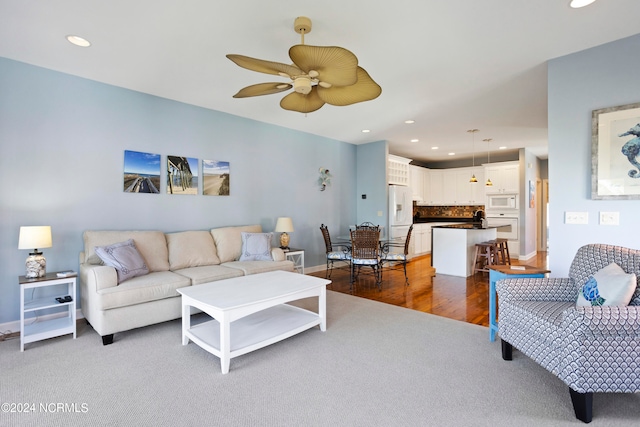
(174, 260)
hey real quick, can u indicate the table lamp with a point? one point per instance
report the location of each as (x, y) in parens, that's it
(284, 226)
(34, 237)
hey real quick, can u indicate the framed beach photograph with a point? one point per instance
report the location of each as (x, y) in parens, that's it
(215, 178)
(615, 153)
(182, 175)
(141, 172)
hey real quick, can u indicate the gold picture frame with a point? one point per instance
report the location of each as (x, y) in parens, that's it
(615, 153)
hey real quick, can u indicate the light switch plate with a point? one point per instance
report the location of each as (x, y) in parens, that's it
(609, 218)
(576, 217)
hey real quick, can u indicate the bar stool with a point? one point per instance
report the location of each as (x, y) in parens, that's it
(503, 250)
(486, 255)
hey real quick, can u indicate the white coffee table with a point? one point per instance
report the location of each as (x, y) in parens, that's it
(250, 312)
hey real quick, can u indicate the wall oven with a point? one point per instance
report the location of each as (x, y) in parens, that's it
(507, 225)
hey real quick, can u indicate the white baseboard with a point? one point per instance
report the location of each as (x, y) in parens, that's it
(11, 327)
(527, 256)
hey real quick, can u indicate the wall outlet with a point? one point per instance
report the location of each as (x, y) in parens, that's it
(379, 213)
(609, 218)
(576, 217)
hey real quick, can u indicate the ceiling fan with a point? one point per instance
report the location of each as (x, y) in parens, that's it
(319, 75)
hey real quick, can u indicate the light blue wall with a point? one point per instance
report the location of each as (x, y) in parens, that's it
(372, 181)
(63, 140)
(604, 76)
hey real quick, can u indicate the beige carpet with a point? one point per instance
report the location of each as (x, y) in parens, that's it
(376, 365)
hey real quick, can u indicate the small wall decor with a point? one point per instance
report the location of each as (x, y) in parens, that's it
(325, 178)
(615, 152)
(141, 172)
(215, 178)
(182, 175)
(532, 194)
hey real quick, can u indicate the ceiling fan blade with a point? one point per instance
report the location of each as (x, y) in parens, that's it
(334, 65)
(302, 103)
(262, 89)
(262, 66)
(364, 90)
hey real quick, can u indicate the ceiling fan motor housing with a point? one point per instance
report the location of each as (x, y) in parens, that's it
(302, 85)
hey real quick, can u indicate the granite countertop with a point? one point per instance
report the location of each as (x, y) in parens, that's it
(467, 226)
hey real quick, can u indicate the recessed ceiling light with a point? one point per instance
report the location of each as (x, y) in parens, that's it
(452, 154)
(580, 3)
(434, 148)
(78, 41)
(365, 131)
(502, 148)
(415, 140)
(409, 121)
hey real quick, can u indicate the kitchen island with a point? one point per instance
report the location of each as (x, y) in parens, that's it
(453, 247)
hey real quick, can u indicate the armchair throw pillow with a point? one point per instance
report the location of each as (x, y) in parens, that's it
(610, 285)
(256, 247)
(125, 258)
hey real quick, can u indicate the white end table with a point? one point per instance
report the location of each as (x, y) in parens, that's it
(49, 328)
(297, 256)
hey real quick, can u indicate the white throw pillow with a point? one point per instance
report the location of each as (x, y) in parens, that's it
(608, 286)
(125, 258)
(256, 247)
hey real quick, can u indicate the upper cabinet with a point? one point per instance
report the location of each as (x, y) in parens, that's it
(398, 170)
(416, 174)
(447, 186)
(505, 177)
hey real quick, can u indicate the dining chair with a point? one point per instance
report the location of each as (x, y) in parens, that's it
(396, 258)
(368, 226)
(365, 251)
(342, 254)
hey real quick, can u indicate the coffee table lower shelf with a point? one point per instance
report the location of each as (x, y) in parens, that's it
(254, 331)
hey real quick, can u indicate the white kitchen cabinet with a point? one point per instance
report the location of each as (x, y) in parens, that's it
(421, 238)
(468, 193)
(505, 177)
(398, 170)
(435, 195)
(417, 182)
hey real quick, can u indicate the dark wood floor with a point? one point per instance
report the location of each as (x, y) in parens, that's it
(458, 298)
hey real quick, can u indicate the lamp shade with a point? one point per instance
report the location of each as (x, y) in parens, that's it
(34, 237)
(284, 225)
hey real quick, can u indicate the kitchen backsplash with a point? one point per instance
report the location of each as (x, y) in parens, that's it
(445, 211)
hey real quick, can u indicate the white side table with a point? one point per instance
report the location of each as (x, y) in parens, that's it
(49, 328)
(297, 256)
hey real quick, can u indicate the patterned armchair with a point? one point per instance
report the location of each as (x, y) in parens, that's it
(593, 349)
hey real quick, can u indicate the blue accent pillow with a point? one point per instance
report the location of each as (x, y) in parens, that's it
(256, 247)
(125, 258)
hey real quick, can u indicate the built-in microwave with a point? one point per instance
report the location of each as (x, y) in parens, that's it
(502, 202)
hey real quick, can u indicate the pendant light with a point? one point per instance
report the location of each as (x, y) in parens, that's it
(473, 179)
(488, 140)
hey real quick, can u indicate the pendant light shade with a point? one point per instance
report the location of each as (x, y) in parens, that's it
(488, 140)
(473, 139)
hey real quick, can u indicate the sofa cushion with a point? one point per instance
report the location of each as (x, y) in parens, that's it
(256, 247)
(191, 249)
(229, 241)
(610, 285)
(125, 258)
(152, 245)
(152, 287)
(255, 267)
(209, 273)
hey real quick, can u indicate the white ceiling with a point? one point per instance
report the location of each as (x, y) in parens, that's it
(448, 65)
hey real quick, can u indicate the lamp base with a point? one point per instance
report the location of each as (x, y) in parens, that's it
(284, 241)
(36, 265)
